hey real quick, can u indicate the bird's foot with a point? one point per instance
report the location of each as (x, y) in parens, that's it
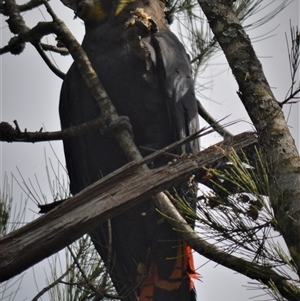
(138, 27)
(121, 123)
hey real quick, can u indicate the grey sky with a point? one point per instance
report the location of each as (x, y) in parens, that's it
(30, 94)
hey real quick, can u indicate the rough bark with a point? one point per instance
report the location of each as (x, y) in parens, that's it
(100, 201)
(280, 152)
(57, 229)
(115, 193)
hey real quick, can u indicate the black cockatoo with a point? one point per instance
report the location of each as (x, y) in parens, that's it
(147, 75)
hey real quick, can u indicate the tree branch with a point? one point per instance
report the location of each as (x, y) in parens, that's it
(250, 269)
(265, 112)
(212, 122)
(47, 61)
(104, 199)
(10, 134)
(23, 7)
(110, 201)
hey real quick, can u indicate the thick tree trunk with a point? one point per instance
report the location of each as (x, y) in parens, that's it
(280, 152)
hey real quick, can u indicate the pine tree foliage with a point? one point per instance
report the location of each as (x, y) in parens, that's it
(233, 211)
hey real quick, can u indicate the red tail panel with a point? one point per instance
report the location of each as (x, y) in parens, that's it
(183, 270)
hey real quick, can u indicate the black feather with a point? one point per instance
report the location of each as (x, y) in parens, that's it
(162, 109)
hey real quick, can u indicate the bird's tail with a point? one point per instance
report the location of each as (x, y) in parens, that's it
(179, 285)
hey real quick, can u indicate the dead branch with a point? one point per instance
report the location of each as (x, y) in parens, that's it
(57, 49)
(23, 7)
(47, 61)
(24, 34)
(94, 204)
(104, 199)
(212, 122)
(114, 194)
(10, 134)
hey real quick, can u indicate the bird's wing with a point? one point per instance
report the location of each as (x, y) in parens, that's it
(138, 235)
(178, 85)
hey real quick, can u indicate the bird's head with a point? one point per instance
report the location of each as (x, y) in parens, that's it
(97, 11)
(93, 11)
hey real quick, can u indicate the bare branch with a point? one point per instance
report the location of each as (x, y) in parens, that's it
(23, 7)
(57, 49)
(48, 62)
(9, 134)
(212, 122)
(104, 199)
(249, 269)
(46, 289)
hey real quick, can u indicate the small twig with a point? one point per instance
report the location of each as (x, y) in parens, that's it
(32, 137)
(152, 150)
(51, 285)
(294, 60)
(249, 269)
(291, 96)
(17, 126)
(212, 121)
(108, 261)
(87, 281)
(56, 49)
(204, 52)
(48, 62)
